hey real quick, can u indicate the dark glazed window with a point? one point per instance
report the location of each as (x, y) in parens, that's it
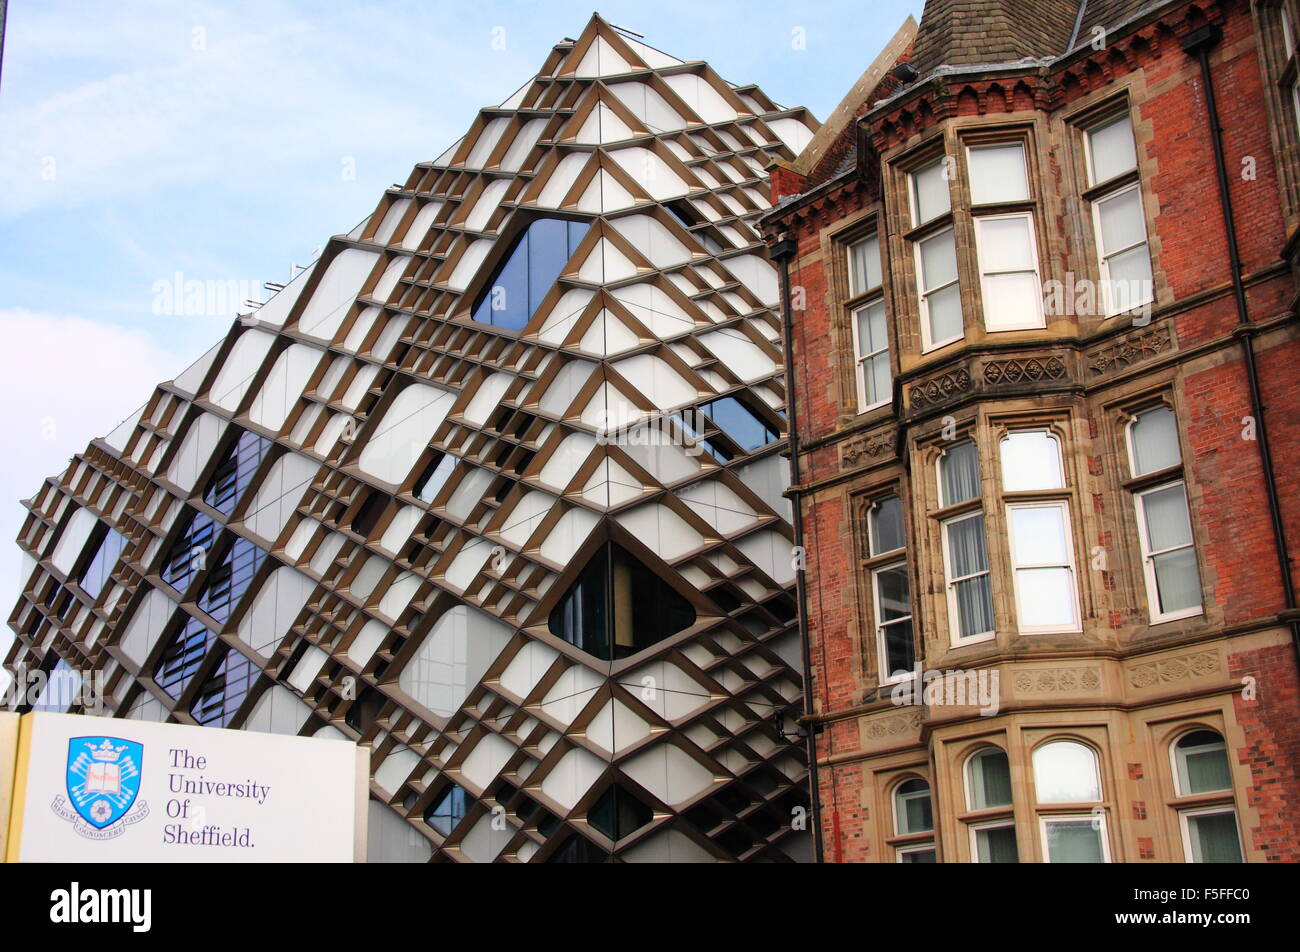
(235, 472)
(618, 607)
(447, 810)
(224, 691)
(529, 272)
(739, 423)
(107, 545)
(182, 656)
(229, 580)
(188, 553)
(617, 813)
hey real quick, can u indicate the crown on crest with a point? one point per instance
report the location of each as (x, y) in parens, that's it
(106, 751)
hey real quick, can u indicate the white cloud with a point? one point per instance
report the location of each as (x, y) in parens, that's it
(64, 381)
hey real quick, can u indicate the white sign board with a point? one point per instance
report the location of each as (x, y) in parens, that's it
(90, 789)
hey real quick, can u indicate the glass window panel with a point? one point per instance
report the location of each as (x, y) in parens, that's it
(989, 774)
(740, 423)
(447, 810)
(886, 522)
(1122, 225)
(96, 574)
(938, 260)
(997, 173)
(879, 379)
(864, 266)
(1066, 772)
(1128, 279)
(1012, 301)
(966, 546)
(930, 192)
(1039, 536)
(1112, 149)
(899, 648)
(1031, 459)
(528, 273)
(916, 856)
(1074, 841)
(996, 844)
(912, 807)
(1177, 581)
(872, 337)
(974, 607)
(1006, 244)
(959, 473)
(1202, 763)
(945, 320)
(892, 590)
(1154, 438)
(1167, 522)
(1045, 598)
(1213, 838)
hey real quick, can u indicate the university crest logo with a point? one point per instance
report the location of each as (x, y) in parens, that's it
(103, 780)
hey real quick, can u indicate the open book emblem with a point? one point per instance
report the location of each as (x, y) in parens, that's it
(103, 777)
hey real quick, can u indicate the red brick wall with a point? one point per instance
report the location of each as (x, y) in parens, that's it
(1272, 749)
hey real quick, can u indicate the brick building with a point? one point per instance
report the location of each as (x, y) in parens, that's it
(1035, 314)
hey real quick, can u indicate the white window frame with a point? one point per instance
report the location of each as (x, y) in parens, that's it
(966, 777)
(1028, 217)
(974, 829)
(1184, 816)
(923, 295)
(911, 191)
(1178, 774)
(1148, 557)
(950, 583)
(976, 146)
(1064, 507)
(900, 851)
(895, 796)
(1295, 98)
(1103, 254)
(1099, 817)
(862, 360)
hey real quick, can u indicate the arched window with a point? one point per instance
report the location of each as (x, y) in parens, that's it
(1065, 771)
(988, 779)
(1201, 763)
(912, 811)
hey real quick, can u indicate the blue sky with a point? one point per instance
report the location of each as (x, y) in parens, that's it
(142, 138)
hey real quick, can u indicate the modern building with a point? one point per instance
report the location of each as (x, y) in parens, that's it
(495, 487)
(1041, 270)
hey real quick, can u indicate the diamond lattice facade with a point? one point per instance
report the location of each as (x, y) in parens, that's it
(494, 487)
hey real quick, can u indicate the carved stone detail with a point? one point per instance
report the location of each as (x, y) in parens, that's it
(1024, 369)
(1199, 664)
(938, 389)
(1052, 680)
(866, 446)
(894, 725)
(1130, 350)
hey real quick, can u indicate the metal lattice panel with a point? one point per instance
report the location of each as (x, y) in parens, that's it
(494, 487)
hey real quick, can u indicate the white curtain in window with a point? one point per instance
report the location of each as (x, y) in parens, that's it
(930, 192)
(968, 559)
(939, 288)
(1111, 149)
(959, 471)
(997, 173)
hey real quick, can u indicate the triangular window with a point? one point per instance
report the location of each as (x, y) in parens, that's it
(618, 607)
(530, 270)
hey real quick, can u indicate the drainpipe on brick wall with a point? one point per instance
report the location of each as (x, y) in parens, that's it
(1198, 43)
(781, 252)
